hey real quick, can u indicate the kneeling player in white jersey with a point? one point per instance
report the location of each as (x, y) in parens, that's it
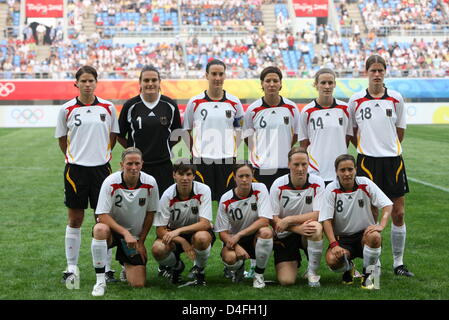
(349, 222)
(126, 206)
(183, 224)
(295, 202)
(243, 223)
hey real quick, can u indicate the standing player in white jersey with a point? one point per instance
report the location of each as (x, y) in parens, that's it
(379, 120)
(126, 206)
(271, 125)
(295, 201)
(213, 119)
(242, 221)
(86, 129)
(183, 224)
(326, 127)
(349, 223)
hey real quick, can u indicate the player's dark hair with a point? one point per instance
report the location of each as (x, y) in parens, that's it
(344, 157)
(131, 150)
(375, 59)
(182, 168)
(215, 62)
(270, 69)
(295, 150)
(237, 166)
(86, 69)
(149, 68)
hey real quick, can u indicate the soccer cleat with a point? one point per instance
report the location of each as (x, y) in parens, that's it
(109, 275)
(403, 271)
(348, 276)
(99, 289)
(237, 275)
(199, 280)
(71, 279)
(164, 271)
(227, 273)
(259, 281)
(194, 271)
(175, 276)
(367, 281)
(250, 274)
(313, 279)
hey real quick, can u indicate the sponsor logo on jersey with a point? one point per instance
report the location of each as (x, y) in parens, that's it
(254, 206)
(103, 116)
(309, 199)
(286, 120)
(389, 112)
(195, 210)
(228, 114)
(163, 120)
(361, 203)
(142, 201)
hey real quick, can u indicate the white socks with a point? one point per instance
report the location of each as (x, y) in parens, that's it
(263, 252)
(398, 235)
(99, 250)
(201, 257)
(169, 261)
(370, 256)
(314, 250)
(109, 260)
(72, 247)
(234, 266)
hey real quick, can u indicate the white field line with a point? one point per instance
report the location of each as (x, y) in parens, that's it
(428, 184)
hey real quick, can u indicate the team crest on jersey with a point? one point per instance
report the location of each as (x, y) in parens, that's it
(309, 199)
(228, 114)
(286, 120)
(254, 206)
(142, 201)
(163, 120)
(195, 210)
(389, 112)
(103, 117)
(340, 121)
(361, 204)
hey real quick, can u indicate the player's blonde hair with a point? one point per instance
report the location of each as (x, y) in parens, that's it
(131, 150)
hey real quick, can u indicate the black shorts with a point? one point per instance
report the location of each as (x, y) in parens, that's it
(82, 184)
(162, 172)
(249, 244)
(388, 173)
(216, 173)
(268, 176)
(352, 243)
(188, 237)
(123, 253)
(287, 249)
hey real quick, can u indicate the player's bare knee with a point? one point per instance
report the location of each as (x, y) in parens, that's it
(137, 283)
(159, 250)
(101, 231)
(265, 233)
(318, 235)
(286, 281)
(202, 240)
(373, 240)
(397, 216)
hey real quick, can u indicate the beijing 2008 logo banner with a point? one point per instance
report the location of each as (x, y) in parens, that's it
(311, 8)
(45, 8)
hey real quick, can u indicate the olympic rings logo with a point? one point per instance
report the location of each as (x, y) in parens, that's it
(6, 89)
(27, 115)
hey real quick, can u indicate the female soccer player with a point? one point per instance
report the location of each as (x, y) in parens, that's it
(243, 224)
(326, 127)
(271, 125)
(379, 121)
(151, 114)
(86, 128)
(349, 223)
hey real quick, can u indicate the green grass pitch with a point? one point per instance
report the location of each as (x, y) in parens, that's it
(33, 219)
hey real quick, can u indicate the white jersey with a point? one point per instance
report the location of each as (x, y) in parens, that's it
(272, 128)
(176, 213)
(213, 124)
(377, 120)
(88, 129)
(351, 211)
(286, 200)
(235, 214)
(326, 129)
(128, 206)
